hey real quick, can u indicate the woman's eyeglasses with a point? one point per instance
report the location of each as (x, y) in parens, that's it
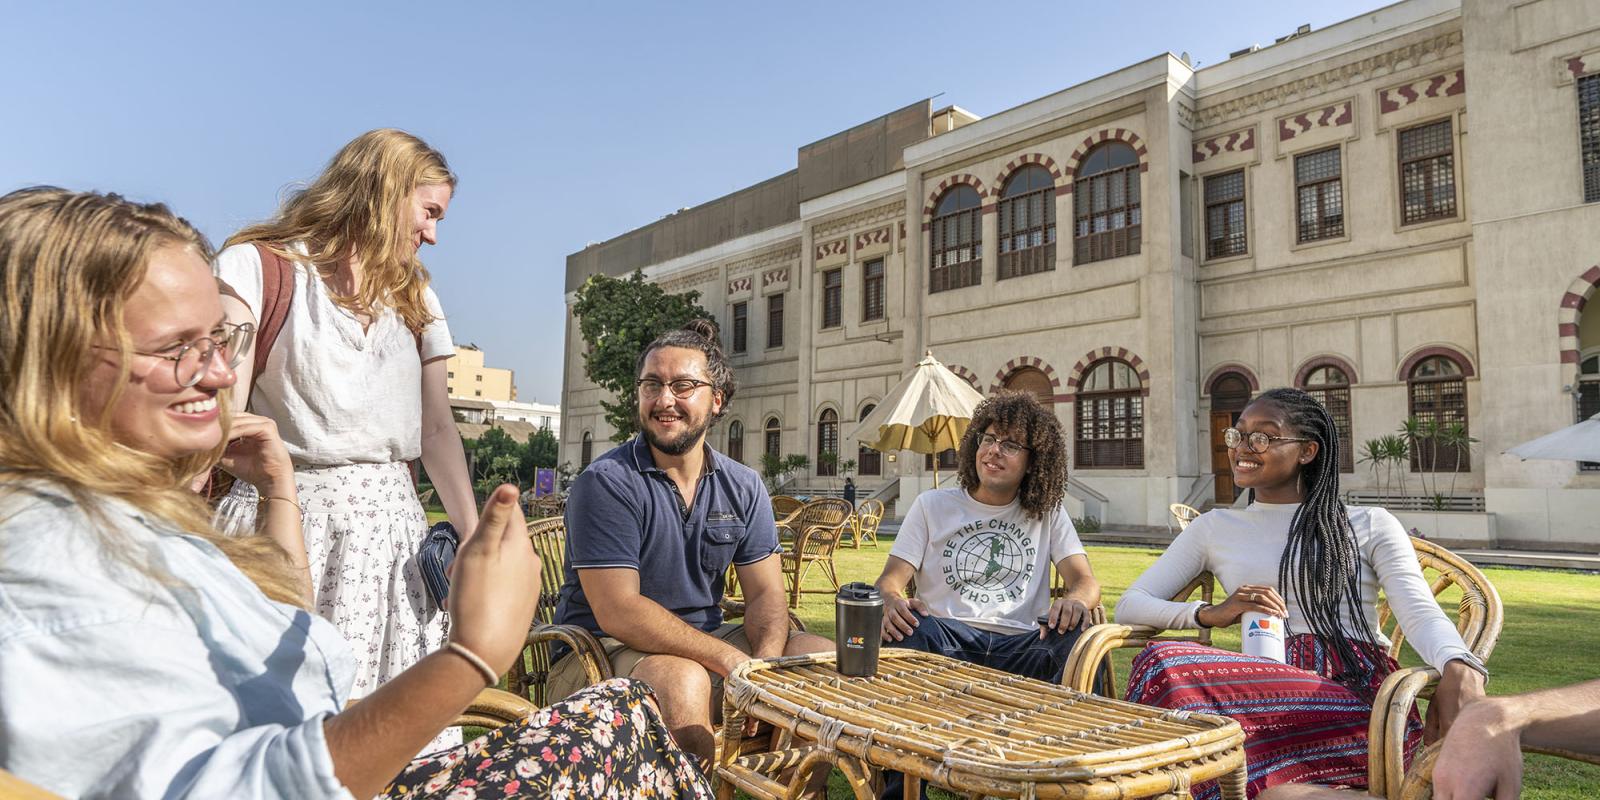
(191, 362)
(1258, 441)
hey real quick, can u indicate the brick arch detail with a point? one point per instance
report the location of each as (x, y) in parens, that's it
(1022, 161)
(1325, 360)
(1105, 135)
(1035, 362)
(1075, 378)
(1567, 316)
(1232, 366)
(965, 374)
(984, 203)
(1411, 361)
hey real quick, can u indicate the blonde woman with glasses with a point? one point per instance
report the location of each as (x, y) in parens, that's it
(142, 654)
(355, 381)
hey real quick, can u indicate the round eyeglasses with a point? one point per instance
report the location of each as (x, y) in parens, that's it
(191, 362)
(1007, 447)
(1257, 440)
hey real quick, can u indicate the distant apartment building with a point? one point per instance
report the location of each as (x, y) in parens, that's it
(520, 420)
(468, 378)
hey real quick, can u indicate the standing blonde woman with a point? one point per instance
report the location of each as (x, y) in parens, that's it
(355, 381)
(142, 655)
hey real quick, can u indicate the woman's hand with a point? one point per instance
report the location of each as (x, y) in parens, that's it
(256, 455)
(1459, 686)
(495, 583)
(1248, 597)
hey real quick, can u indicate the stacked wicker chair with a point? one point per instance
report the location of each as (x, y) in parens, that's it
(864, 524)
(1478, 617)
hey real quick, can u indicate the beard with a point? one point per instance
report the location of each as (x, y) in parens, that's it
(682, 443)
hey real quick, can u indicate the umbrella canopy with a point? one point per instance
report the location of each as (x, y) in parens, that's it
(927, 412)
(1580, 442)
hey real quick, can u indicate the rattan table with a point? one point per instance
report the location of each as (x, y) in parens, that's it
(967, 728)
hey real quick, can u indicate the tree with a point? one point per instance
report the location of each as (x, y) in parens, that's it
(497, 458)
(618, 318)
(542, 450)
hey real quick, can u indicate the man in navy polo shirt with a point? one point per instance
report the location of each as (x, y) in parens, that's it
(651, 529)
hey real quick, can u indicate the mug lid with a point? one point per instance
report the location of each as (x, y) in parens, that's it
(859, 592)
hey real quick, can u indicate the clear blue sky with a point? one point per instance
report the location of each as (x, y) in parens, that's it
(568, 122)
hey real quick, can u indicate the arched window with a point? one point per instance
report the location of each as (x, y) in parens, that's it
(1588, 398)
(828, 442)
(1438, 390)
(1331, 387)
(1110, 410)
(956, 254)
(774, 443)
(1027, 222)
(868, 460)
(1033, 379)
(1230, 391)
(1106, 204)
(736, 441)
(586, 454)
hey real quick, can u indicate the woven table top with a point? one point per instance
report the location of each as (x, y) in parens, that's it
(956, 717)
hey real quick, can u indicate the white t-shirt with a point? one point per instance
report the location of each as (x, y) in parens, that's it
(340, 394)
(987, 566)
(1244, 547)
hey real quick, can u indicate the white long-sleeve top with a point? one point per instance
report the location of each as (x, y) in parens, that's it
(1244, 547)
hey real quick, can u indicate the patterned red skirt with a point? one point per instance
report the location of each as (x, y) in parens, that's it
(1300, 726)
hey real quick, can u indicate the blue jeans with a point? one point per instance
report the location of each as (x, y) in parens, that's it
(1017, 653)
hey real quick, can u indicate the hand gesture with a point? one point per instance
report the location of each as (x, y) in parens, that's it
(1249, 597)
(256, 455)
(901, 616)
(1066, 613)
(1484, 759)
(1458, 686)
(495, 586)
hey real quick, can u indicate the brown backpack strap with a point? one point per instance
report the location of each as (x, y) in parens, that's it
(277, 291)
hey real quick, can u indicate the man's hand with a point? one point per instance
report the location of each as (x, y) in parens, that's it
(1460, 685)
(901, 616)
(1066, 613)
(1484, 756)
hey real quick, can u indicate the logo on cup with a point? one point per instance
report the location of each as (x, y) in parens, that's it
(1261, 624)
(855, 641)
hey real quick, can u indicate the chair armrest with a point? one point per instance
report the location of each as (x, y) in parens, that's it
(584, 646)
(1386, 731)
(495, 707)
(1094, 647)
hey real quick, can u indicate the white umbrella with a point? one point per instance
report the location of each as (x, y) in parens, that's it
(1580, 442)
(927, 412)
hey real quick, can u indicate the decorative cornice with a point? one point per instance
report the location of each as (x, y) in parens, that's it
(680, 282)
(1375, 66)
(858, 219)
(1238, 141)
(781, 255)
(1445, 84)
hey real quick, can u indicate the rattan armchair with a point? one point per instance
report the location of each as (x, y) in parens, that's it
(864, 524)
(811, 535)
(1183, 514)
(531, 672)
(1478, 618)
(784, 507)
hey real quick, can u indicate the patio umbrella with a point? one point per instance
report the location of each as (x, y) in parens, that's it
(927, 412)
(1580, 442)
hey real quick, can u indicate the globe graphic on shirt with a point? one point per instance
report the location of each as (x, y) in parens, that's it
(988, 561)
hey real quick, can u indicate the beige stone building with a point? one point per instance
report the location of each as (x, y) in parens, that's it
(1149, 249)
(469, 379)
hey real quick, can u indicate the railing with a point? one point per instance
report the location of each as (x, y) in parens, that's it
(1203, 488)
(1417, 502)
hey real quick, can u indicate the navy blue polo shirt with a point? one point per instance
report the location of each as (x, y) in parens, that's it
(623, 511)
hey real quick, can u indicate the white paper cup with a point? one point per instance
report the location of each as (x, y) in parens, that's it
(1263, 635)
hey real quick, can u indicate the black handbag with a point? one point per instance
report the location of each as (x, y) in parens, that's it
(438, 550)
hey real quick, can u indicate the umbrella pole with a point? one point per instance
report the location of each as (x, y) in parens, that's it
(935, 472)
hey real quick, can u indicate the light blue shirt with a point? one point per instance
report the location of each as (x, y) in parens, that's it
(115, 684)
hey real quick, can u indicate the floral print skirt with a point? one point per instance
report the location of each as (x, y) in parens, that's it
(606, 741)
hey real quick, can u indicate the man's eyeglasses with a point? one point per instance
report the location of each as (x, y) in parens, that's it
(191, 362)
(683, 388)
(1258, 441)
(1007, 447)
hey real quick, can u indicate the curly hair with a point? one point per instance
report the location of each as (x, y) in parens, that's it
(1045, 482)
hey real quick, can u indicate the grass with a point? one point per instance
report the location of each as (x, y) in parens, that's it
(1549, 639)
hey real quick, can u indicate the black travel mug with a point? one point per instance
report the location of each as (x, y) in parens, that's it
(858, 629)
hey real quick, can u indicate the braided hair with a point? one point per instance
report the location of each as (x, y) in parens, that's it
(1321, 560)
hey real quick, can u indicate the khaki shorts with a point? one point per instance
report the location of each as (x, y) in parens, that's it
(566, 676)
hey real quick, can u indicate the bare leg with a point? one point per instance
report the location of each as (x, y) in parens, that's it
(683, 688)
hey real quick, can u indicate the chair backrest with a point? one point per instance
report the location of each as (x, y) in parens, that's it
(1183, 514)
(1479, 613)
(871, 515)
(827, 511)
(783, 505)
(549, 536)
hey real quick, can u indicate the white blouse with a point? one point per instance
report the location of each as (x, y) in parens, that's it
(1244, 547)
(340, 394)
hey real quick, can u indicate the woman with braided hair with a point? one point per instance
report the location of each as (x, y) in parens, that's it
(1297, 553)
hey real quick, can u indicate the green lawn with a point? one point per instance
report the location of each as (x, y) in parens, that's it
(1551, 623)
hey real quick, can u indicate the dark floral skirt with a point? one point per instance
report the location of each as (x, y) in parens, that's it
(605, 741)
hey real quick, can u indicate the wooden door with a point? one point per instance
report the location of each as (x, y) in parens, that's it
(1221, 471)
